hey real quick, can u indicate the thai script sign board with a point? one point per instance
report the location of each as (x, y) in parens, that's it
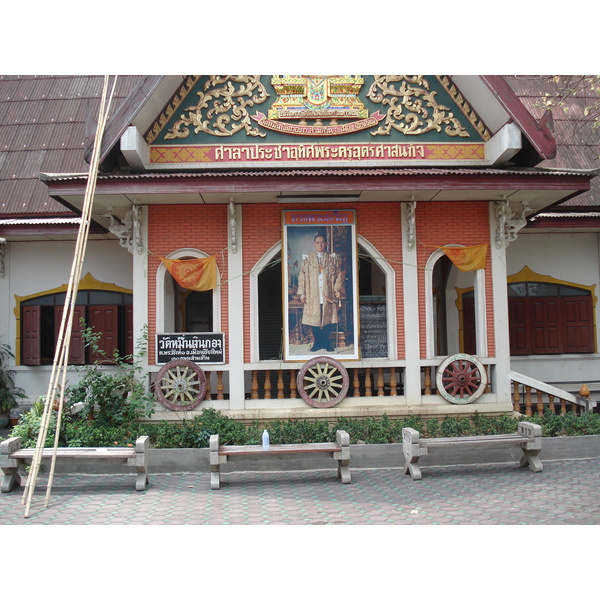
(208, 348)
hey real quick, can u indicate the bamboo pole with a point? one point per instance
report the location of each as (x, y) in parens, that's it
(60, 363)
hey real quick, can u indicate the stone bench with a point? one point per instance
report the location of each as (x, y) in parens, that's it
(339, 450)
(12, 455)
(528, 437)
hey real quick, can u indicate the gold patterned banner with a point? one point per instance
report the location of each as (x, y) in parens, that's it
(317, 130)
(315, 153)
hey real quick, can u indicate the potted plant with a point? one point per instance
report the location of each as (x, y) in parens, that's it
(9, 392)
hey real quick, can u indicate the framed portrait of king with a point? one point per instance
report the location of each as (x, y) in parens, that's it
(320, 295)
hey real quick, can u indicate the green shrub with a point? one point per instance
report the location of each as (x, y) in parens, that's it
(195, 432)
(111, 398)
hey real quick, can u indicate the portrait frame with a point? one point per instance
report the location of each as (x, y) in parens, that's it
(320, 294)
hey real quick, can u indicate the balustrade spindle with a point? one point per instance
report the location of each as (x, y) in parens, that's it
(428, 381)
(528, 412)
(368, 382)
(551, 404)
(254, 393)
(220, 395)
(380, 383)
(563, 406)
(207, 374)
(516, 397)
(280, 393)
(267, 393)
(356, 383)
(293, 384)
(393, 382)
(540, 404)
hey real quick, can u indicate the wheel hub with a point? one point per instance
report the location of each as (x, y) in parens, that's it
(322, 382)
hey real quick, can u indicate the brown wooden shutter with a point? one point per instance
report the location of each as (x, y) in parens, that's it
(469, 333)
(545, 325)
(518, 326)
(76, 343)
(104, 319)
(31, 335)
(577, 324)
(128, 330)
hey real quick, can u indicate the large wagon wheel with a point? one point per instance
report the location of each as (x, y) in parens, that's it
(322, 382)
(461, 379)
(180, 385)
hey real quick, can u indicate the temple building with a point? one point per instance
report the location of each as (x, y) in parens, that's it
(301, 246)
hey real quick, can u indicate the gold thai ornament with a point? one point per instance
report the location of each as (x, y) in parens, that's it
(413, 108)
(222, 107)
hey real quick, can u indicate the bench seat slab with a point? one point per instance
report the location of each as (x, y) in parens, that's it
(528, 437)
(339, 450)
(12, 455)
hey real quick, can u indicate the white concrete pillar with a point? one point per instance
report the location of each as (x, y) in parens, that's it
(235, 298)
(500, 381)
(140, 279)
(410, 290)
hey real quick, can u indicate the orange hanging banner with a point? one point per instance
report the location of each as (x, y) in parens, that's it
(197, 274)
(470, 258)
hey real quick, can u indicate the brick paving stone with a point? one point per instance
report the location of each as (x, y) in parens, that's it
(564, 493)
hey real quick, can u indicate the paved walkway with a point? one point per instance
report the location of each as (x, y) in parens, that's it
(565, 493)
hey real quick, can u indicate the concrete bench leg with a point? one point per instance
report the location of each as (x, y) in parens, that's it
(343, 440)
(412, 450)
(215, 463)
(9, 466)
(141, 462)
(531, 448)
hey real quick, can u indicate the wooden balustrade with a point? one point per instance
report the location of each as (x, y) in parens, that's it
(220, 387)
(367, 382)
(523, 402)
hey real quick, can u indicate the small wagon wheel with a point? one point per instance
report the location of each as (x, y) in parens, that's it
(180, 385)
(461, 379)
(323, 382)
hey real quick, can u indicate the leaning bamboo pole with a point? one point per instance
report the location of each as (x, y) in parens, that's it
(59, 366)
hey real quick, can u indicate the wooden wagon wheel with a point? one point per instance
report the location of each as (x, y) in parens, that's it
(461, 379)
(180, 385)
(323, 382)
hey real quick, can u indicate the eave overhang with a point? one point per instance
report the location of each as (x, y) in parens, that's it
(539, 188)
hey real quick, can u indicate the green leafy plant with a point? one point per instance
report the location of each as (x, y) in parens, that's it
(195, 432)
(109, 396)
(9, 392)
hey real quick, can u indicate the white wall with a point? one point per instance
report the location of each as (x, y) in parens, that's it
(570, 257)
(34, 267)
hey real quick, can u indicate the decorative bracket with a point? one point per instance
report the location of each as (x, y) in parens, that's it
(508, 224)
(122, 228)
(2, 256)
(232, 226)
(410, 227)
(137, 228)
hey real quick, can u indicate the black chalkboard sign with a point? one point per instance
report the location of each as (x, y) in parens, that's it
(195, 347)
(373, 327)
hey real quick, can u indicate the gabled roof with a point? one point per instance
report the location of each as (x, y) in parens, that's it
(45, 125)
(490, 96)
(578, 139)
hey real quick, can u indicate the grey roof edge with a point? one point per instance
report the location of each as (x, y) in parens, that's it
(124, 115)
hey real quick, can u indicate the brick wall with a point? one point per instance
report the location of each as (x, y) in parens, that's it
(441, 223)
(379, 223)
(205, 228)
(172, 227)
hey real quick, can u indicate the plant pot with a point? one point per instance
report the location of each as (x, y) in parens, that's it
(4, 420)
(13, 421)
